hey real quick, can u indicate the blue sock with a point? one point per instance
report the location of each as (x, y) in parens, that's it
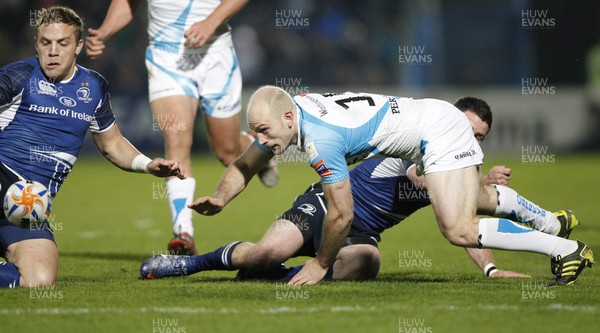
(219, 259)
(294, 270)
(9, 275)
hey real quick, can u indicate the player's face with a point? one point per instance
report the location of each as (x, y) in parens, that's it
(480, 127)
(272, 131)
(57, 49)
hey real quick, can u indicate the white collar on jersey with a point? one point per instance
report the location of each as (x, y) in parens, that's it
(67, 80)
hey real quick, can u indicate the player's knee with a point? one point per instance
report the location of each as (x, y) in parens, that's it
(262, 257)
(458, 236)
(38, 279)
(226, 154)
(370, 267)
(362, 264)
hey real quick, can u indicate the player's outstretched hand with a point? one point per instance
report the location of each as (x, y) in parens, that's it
(165, 168)
(500, 274)
(207, 205)
(498, 175)
(94, 43)
(311, 273)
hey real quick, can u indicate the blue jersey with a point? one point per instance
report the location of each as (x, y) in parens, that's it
(336, 130)
(43, 123)
(383, 194)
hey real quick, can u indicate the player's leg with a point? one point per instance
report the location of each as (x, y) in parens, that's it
(357, 262)
(289, 235)
(454, 205)
(31, 254)
(502, 201)
(36, 260)
(279, 243)
(220, 88)
(453, 195)
(174, 116)
(174, 104)
(224, 137)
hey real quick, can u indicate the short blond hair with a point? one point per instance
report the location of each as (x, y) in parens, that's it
(60, 14)
(273, 97)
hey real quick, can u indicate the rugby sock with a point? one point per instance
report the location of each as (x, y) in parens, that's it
(503, 234)
(294, 270)
(219, 259)
(9, 275)
(180, 193)
(519, 209)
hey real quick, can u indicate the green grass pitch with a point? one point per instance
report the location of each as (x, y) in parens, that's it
(107, 221)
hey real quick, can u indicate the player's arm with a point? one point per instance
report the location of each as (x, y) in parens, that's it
(335, 229)
(499, 175)
(237, 175)
(201, 31)
(120, 152)
(411, 173)
(485, 261)
(120, 13)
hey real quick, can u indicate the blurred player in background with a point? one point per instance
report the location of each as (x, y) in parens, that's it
(340, 129)
(385, 192)
(191, 61)
(47, 105)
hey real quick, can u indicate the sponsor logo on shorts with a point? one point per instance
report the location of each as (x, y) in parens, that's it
(465, 154)
(307, 209)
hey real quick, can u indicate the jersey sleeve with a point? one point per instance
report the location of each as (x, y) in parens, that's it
(326, 157)
(104, 117)
(12, 80)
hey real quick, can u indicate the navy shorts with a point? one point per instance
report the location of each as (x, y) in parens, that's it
(308, 214)
(10, 233)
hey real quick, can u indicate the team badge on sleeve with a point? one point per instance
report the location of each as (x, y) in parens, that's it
(322, 169)
(311, 151)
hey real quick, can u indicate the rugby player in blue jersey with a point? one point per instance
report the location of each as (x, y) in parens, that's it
(47, 105)
(336, 130)
(385, 192)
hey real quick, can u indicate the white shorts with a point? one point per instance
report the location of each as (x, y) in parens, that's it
(449, 141)
(212, 76)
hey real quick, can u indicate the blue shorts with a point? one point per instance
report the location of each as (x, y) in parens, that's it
(308, 214)
(10, 233)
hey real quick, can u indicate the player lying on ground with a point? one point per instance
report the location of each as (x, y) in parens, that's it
(383, 196)
(47, 104)
(374, 183)
(340, 129)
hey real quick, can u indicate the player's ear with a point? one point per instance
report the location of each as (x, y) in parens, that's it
(289, 118)
(79, 47)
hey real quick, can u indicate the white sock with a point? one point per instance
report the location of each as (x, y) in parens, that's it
(517, 208)
(180, 193)
(504, 234)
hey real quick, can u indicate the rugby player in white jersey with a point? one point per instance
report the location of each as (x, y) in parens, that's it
(191, 62)
(340, 129)
(385, 192)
